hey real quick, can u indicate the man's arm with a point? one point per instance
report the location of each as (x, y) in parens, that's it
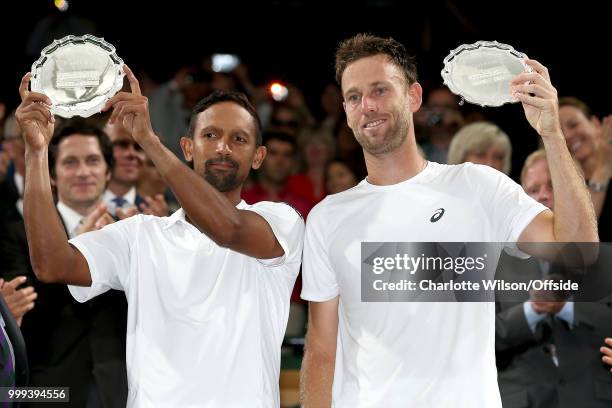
(209, 210)
(574, 218)
(317, 374)
(52, 258)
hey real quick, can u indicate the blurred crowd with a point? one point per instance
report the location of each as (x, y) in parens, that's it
(308, 158)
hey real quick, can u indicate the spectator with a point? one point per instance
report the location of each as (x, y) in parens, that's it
(339, 177)
(482, 143)
(590, 142)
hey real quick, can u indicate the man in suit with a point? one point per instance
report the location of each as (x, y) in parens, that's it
(129, 159)
(81, 346)
(548, 346)
(12, 172)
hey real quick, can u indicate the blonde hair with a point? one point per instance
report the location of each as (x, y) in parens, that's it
(534, 157)
(476, 137)
(538, 155)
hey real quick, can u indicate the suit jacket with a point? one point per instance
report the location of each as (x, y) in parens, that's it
(69, 343)
(8, 197)
(527, 376)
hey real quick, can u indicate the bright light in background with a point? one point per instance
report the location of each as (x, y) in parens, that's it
(224, 62)
(62, 5)
(279, 92)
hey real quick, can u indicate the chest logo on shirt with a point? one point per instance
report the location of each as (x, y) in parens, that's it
(437, 215)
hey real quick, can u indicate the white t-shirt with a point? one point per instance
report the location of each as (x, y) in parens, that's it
(205, 323)
(410, 354)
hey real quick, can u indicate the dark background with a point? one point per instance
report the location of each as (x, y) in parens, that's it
(295, 40)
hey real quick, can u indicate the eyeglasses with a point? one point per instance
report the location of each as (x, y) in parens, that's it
(125, 144)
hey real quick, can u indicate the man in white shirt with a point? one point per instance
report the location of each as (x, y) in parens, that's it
(208, 288)
(418, 354)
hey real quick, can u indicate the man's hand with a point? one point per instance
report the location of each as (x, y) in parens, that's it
(34, 116)
(122, 214)
(96, 220)
(607, 352)
(155, 206)
(131, 109)
(19, 301)
(539, 99)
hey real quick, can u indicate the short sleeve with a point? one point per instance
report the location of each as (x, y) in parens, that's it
(288, 228)
(509, 208)
(319, 280)
(107, 252)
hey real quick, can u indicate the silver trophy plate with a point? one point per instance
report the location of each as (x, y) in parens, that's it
(481, 72)
(78, 74)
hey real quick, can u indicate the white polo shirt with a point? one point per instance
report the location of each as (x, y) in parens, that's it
(412, 354)
(205, 323)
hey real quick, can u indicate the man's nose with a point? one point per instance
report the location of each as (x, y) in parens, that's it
(223, 147)
(368, 104)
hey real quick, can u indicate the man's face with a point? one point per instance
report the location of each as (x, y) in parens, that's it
(279, 161)
(81, 173)
(579, 131)
(339, 178)
(13, 144)
(538, 184)
(379, 103)
(223, 148)
(284, 120)
(129, 157)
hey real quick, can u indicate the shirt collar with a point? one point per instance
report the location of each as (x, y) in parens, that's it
(130, 196)
(71, 218)
(179, 215)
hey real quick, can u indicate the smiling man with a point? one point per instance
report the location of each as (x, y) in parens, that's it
(396, 354)
(208, 288)
(129, 162)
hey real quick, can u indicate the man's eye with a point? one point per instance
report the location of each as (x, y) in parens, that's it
(353, 98)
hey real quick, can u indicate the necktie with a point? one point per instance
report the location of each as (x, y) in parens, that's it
(119, 201)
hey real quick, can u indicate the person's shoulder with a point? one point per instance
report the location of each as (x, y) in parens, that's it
(333, 202)
(469, 171)
(282, 209)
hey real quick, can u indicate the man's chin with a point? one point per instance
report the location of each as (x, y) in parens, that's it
(222, 182)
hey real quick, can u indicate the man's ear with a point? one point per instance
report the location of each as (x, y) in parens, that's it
(260, 155)
(415, 95)
(187, 147)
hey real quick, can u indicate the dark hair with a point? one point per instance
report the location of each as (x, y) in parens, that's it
(576, 103)
(83, 127)
(367, 45)
(281, 136)
(221, 96)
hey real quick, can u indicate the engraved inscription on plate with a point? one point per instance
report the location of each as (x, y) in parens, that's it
(78, 74)
(481, 72)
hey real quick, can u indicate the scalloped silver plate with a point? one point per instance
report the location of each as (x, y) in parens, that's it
(78, 74)
(481, 72)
